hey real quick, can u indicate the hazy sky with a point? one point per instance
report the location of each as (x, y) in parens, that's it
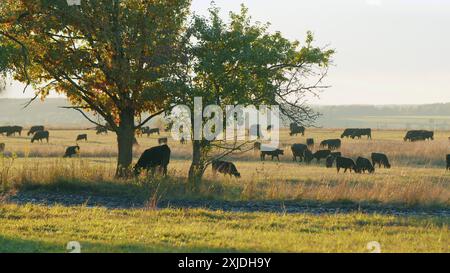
(388, 51)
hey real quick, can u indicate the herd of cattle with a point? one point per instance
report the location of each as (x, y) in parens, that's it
(159, 156)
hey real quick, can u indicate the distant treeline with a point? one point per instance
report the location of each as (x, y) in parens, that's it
(430, 116)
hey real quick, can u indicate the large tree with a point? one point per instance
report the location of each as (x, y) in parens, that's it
(241, 62)
(111, 57)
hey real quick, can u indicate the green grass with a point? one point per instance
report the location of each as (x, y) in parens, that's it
(33, 228)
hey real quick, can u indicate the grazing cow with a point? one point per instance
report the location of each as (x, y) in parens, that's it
(101, 130)
(448, 162)
(357, 133)
(310, 142)
(158, 156)
(295, 129)
(2, 147)
(273, 153)
(82, 137)
(321, 154)
(162, 140)
(35, 129)
(39, 136)
(13, 130)
(381, 160)
(363, 165)
(330, 159)
(298, 150)
(71, 151)
(345, 163)
(225, 168)
(331, 144)
(416, 135)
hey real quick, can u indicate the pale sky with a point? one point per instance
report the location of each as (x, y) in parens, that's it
(388, 51)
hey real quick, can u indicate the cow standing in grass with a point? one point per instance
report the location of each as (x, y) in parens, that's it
(298, 150)
(295, 129)
(35, 129)
(82, 137)
(363, 165)
(321, 154)
(273, 153)
(158, 156)
(381, 160)
(331, 144)
(225, 168)
(71, 151)
(41, 135)
(345, 163)
(13, 130)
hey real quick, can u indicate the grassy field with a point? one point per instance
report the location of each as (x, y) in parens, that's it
(41, 229)
(418, 179)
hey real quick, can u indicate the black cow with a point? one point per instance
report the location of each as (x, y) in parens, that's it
(158, 156)
(225, 168)
(298, 150)
(295, 129)
(357, 133)
(416, 135)
(321, 154)
(345, 163)
(448, 162)
(381, 160)
(101, 130)
(82, 137)
(162, 140)
(363, 165)
(310, 142)
(150, 131)
(39, 136)
(71, 151)
(2, 147)
(4, 130)
(273, 153)
(331, 144)
(35, 129)
(13, 130)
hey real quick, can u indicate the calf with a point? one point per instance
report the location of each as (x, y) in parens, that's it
(345, 163)
(39, 136)
(363, 165)
(448, 162)
(35, 129)
(82, 137)
(158, 156)
(2, 147)
(162, 140)
(273, 153)
(298, 150)
(71, 151)
(225, 168)
(381, 160)
(321, 154)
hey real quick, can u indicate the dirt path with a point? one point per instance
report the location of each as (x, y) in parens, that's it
(238, 206)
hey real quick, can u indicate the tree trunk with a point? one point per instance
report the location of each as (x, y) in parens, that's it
(197, 168)
(125, 137)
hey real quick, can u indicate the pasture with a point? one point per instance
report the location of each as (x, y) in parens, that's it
(417, 183)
